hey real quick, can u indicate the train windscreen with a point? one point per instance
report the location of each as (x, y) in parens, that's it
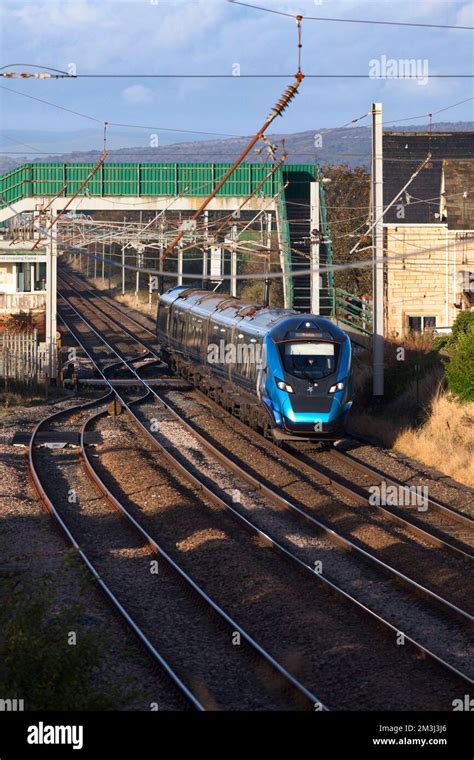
(310, 359)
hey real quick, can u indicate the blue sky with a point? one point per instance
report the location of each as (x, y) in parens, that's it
(210, 37)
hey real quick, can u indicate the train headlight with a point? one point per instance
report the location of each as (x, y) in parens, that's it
(283, 386)
(337, 387)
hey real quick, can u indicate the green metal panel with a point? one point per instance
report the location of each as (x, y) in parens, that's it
(121, 179)
(158, 179)
(352, 310)
(259, 172)
(14, 183)
(237, 183)
(47, 179)
(75, 176)
(155, 179)
(195, 179)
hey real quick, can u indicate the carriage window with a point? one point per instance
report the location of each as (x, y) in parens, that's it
(178, 326)
(163, 312)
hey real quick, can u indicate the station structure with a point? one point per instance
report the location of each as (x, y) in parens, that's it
(293, 196)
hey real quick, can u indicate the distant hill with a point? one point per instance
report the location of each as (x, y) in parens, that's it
(326, 146)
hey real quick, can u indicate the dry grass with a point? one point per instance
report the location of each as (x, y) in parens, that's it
(129, 298)
(445, 441)
(11, 399)
(427, 424)
(142, 304)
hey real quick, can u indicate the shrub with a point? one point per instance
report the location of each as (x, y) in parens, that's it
(460, 369)
(38, 664)
(463, 323)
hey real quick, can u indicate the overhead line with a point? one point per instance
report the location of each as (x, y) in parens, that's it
(219, 134)
(350, 20)
(264, 76)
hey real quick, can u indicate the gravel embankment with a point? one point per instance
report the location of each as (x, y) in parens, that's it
(331, 646)
(31, 547)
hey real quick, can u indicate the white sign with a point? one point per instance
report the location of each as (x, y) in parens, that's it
(23, 258)
(216, 262)
(188, 225)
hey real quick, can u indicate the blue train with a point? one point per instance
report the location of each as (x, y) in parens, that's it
(285, 373)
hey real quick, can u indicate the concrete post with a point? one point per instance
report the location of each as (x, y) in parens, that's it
(378, 269)
(51, 305)
(314, 247)
(233, 263)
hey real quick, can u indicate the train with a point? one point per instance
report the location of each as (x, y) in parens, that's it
(285, 373)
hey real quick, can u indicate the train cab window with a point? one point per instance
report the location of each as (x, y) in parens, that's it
(309, 359)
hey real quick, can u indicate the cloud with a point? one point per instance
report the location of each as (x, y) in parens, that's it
(115, 37)
(137, 94)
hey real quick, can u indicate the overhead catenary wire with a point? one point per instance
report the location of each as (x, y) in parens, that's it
(359, 264)
(220, 134)
(351, 20)
(278, 109)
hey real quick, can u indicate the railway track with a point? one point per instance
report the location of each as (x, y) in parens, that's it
(258, 680)
(366, 548)
(444, 521)
(47, 501)
(307, 568)
(425, 515)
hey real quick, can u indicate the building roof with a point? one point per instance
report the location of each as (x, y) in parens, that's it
(403, 152)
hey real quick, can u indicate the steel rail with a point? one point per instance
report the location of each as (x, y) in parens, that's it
(116, 604)
(326, 480)
(362, 500)
(210, 602)
(438, 506)
(388, 627)
(63, 276)
(281, 501)
(159, 551)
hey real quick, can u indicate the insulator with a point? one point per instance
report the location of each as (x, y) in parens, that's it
(286, 98)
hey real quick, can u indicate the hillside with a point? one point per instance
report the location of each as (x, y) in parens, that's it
(338, 146)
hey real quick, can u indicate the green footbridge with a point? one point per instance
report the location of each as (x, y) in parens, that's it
(289, 186)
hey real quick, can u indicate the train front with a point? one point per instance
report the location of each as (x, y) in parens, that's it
(307, 385)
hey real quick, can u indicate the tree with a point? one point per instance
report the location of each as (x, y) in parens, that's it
(347, 200)
(460, 369)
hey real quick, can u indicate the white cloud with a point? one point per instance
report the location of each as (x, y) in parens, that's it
(137, 94)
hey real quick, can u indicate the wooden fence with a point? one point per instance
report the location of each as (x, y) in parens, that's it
(22, 361)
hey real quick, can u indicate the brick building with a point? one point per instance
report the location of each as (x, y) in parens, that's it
(429, 232)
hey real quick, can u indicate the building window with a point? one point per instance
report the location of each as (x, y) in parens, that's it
(40, 276)
(23, 278)
(30, 277)
(421, 324)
